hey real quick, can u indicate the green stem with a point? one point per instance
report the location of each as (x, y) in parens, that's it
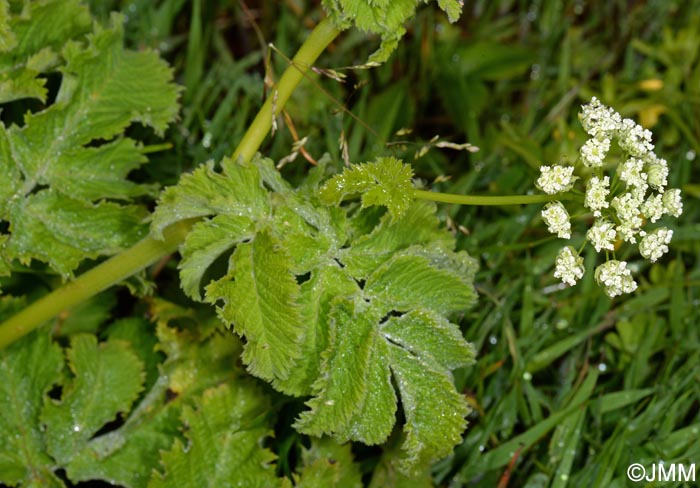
(150, 250)
(321, 36)
(99, 278)
(487, 200)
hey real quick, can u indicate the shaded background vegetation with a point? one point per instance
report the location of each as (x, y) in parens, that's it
(570, 387)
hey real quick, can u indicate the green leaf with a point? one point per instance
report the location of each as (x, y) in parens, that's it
(28, 370)
(224, 443)
(128, 455)
(418, 226)
(204, 244)
(434, 410)
(409, 281)
(63, 231)
(317, 294)
(427, 334)
(328, 464)
(104, 89)
(140, 334)
(383, 17)
(107, 379)
(238, 191)
(7, 37)
(354, 399)
(32, 41)
(387, 182)
(261, 301)
(386, 473)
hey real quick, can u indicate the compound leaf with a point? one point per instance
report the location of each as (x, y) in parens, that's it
(28, 370)
(107, 379)
(104, 89)
(224, 443)
(127, 456)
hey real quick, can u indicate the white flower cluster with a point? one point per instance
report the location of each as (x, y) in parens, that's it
(622, 202)
(615, 278)
(569, 266)
(556, 179)
(557, 219)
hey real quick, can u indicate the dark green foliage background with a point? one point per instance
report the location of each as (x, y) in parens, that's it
(573, 385)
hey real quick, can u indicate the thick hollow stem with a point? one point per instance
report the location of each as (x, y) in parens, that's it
(92, 282)
(150, 250)
(487, 199)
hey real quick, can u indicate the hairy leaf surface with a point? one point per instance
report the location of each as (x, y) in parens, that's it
(386, 182)
(62, 165)
(328, 464)
(322, 295)
(354, 397)
(223, 446)
(108, 378)
(31, 44)
(261, 303)
(384, 17)
(28, 370)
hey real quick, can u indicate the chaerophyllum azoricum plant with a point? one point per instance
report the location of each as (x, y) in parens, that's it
(346, 291)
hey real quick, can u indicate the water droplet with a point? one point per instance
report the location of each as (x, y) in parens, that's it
(527, 376)
(76, 428)
(206, 141)
(481, 448)
(690, 155)
(493, 340)
(602, 367)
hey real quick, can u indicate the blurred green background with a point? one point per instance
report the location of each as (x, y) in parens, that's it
(570, 387)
